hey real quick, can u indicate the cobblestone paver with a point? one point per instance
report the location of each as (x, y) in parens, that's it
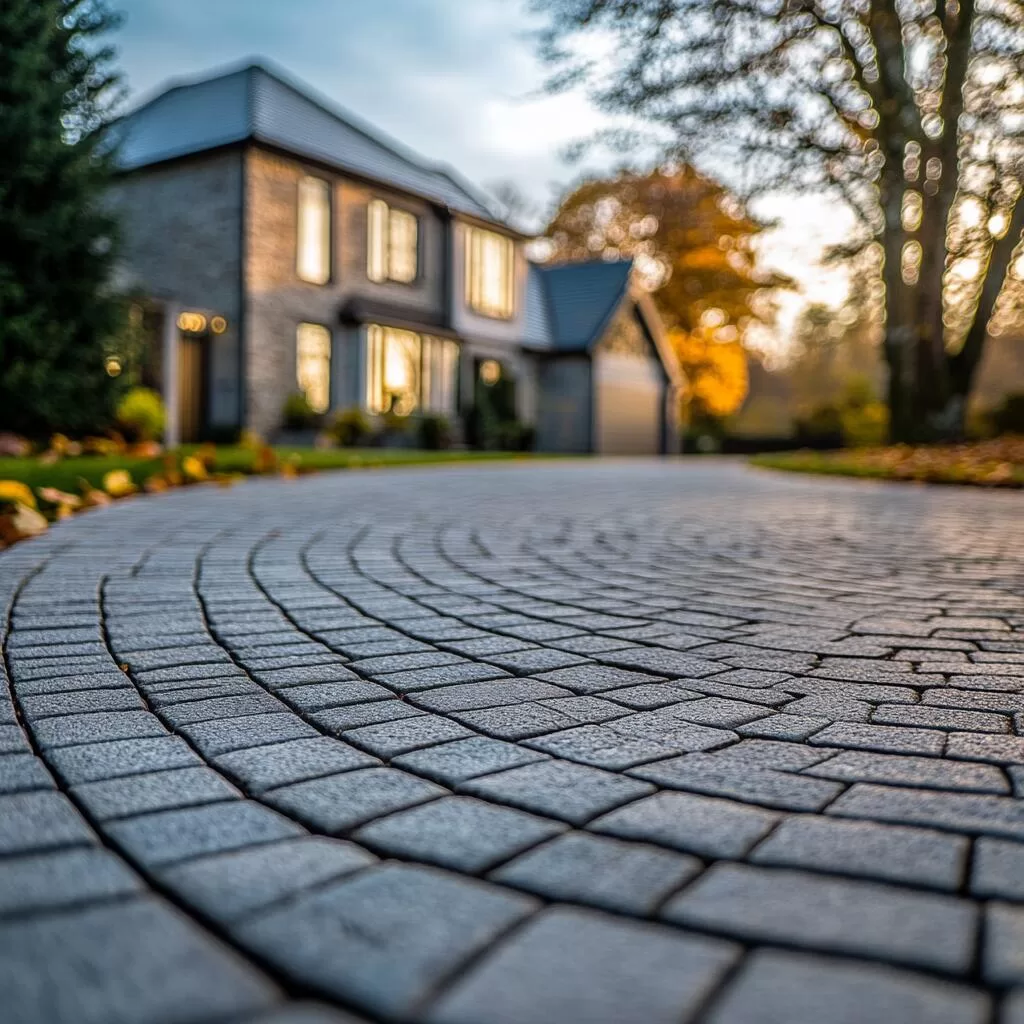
(563, 743)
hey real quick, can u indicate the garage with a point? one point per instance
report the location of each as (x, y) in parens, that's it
(629, 401)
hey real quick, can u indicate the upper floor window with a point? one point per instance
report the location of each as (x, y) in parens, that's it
(313, 241)
(392, 244)
(490, 273)
(313, 365)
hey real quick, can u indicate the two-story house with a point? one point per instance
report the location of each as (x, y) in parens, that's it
(281, 246)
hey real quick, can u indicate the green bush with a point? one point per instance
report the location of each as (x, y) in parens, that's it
(1008, 417)
(435, 433)
(297, 413)
(351, 428)
(141, 414)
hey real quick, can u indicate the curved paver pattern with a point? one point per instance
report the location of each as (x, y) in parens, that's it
(573, 742)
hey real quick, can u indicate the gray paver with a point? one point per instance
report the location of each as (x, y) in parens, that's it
(697, 824)
(888, 852)
(632, 878)
(775, 987)
(581, 967)
(457, 832)
(862, 918)
(383, 939)
(229, 886)
(168, 836)
(122, 964)
(338, 803)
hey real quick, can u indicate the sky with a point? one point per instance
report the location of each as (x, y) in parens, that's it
(457, 81)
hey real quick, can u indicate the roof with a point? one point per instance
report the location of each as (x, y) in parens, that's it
(262, 103)
(569, 308)
(579, 300)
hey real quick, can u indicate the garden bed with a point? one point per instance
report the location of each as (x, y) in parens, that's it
(66, 473)
(995, 463)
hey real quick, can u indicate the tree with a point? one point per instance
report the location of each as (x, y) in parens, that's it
(57, 310)
(694, 247)
(906, 111)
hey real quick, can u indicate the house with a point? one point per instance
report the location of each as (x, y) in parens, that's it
(278, 246)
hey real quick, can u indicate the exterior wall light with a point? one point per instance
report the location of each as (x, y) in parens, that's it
(490, 372)
(191, 323)
(218, 324)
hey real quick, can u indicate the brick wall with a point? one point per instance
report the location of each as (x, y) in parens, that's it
(278, 301)
(180, 226)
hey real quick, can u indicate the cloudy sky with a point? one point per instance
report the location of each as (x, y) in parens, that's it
(455, 80)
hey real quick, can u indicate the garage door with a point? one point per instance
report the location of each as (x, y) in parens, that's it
(628, 393)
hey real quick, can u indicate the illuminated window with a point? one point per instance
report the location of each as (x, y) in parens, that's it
(313, 365)
(407, 371)
(440, 375)
(490, 273)
(313, 241)
(392, 244)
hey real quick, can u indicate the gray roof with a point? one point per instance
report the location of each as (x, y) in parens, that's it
(569, 307)
(256, 102)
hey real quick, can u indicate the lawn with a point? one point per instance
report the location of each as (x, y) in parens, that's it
(66, 473)
(995, 463)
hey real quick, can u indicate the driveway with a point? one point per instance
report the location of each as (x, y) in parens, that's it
(553, 743)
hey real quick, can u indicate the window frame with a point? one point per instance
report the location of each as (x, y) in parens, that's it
(380, 251)
(302, 272)
(437, 362)
(328, 359)
(476, 239)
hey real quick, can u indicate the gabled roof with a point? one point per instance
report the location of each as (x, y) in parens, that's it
(262, 103)
(580, 300)
(569, 308)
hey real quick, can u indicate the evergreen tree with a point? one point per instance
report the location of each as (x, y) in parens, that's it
(57, 308)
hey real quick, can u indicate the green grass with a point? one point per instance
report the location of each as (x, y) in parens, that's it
(66, 473)
(817, 462)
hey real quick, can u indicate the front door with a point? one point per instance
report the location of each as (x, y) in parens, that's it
(191, 386)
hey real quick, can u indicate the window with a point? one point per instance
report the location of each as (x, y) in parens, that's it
(313, 365)
(407, 371)
(313, 241)
(440, 375)
(392, 244)
(490, 273)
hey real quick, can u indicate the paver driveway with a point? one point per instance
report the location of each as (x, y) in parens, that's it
(555, 743)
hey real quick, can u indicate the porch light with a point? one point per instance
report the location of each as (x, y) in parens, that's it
(490, 372)
(191, 323)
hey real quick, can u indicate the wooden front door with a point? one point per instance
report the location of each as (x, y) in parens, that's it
(191, 387)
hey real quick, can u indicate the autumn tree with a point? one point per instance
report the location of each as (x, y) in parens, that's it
(57, 310)
(693, 248)
(907, 112)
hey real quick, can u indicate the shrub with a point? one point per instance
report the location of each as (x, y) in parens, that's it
(141, 414)
(823, 424)
(297, 413)
(350, 427)
(1009, 416)
(435, 433)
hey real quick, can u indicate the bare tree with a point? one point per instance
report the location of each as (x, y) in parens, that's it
(909, 112)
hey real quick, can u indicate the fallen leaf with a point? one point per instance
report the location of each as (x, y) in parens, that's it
(21, 523)
(118, 483)
(17, 492)
(194, 468)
